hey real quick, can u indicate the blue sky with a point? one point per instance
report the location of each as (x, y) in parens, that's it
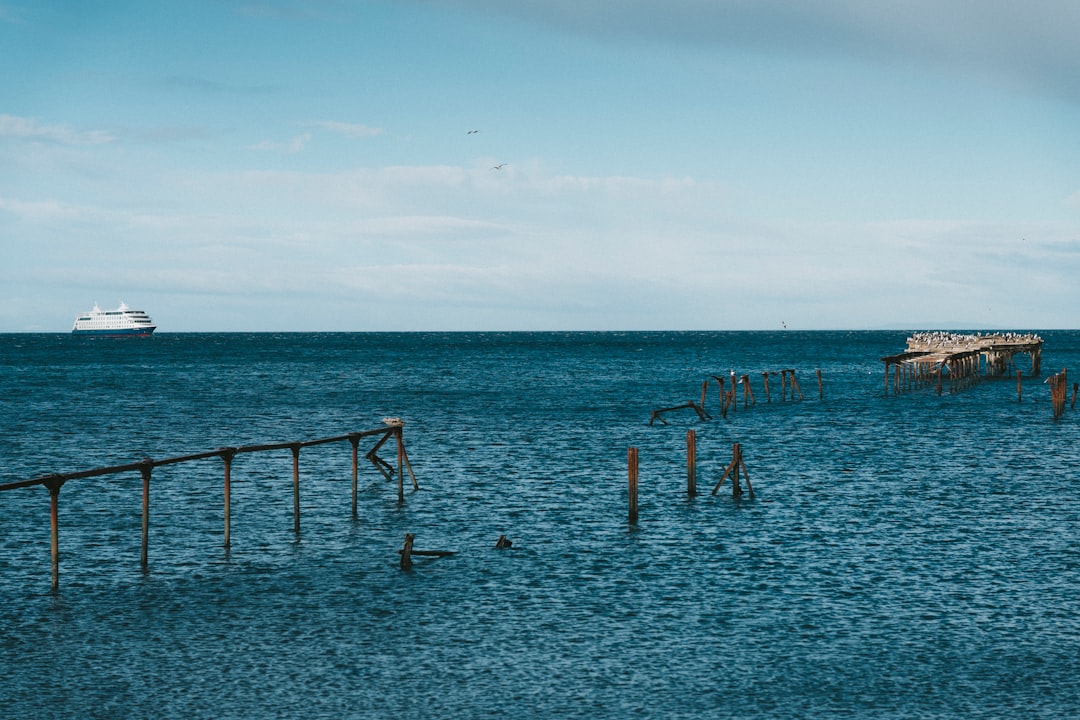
(689, 164)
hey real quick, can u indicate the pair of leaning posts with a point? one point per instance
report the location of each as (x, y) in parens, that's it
(393, 428)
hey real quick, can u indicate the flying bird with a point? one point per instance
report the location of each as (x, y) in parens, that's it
(471, 132)
(500, 166)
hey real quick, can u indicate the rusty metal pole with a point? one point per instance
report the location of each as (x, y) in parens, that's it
(355, 441)
(296, 487)
(145, 471)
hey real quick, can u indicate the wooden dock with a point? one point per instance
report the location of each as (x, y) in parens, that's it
(963, 359)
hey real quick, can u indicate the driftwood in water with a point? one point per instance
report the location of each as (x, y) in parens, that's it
(407, 551)
(657, 414)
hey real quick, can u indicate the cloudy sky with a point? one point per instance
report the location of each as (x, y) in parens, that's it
(685, 164)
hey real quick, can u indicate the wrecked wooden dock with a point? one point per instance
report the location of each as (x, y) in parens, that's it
(962, 359)
(392, 430)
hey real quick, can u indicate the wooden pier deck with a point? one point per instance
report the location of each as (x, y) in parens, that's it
(963, 358)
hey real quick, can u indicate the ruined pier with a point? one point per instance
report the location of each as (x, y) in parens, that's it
(962, 359)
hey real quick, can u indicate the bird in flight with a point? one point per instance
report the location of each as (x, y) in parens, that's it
(472, 132)
(500, 166)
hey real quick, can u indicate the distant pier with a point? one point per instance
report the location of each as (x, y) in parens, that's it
(963, 359)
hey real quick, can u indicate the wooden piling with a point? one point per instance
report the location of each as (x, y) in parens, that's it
(1059, 387)
(54, 529)
(145, 472)
(704, 389)
(820, 392)
(1019, 386)
(227, 456)
(632, 482)
(295, 448)
(723, 396)
(733, 469)
(400, 463)
(1073, 404)
(405, 458)
(354, 440)
(691, 463)
(747, 391)
(795, 386)
(406, 551)
(765, 379)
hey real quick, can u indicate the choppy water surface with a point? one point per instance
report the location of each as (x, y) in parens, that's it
(903, 557)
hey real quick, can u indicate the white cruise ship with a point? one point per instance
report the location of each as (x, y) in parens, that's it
(121, 321)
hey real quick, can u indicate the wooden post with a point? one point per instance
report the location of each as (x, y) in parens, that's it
(795, 386)
(704, 389)
(736, 458)
(691, 463)
(227, 457)
(632, 477)
(354, 440)
(720, 388)
(765, 377)
(54, 529)
(733, 467)
(1073, 404)
(820, 392)
(1019, 386)
(400, 462)
(296, 486)
(406, 551)
(747, 390)
(886, 378)
(145, 471)
(405, 457)
(746, 475)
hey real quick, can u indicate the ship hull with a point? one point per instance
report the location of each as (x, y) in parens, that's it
(124, 332)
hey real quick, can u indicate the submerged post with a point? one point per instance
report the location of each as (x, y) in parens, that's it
(820, 392)
(691, 463)
(631, 477)
(1019, 386)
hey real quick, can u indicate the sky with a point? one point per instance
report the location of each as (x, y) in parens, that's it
(366, 165)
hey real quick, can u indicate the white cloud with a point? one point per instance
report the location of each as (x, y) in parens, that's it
(295, 144)
(30, 129)
(351, 130)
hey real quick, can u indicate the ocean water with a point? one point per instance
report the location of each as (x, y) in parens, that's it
(903, 557)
